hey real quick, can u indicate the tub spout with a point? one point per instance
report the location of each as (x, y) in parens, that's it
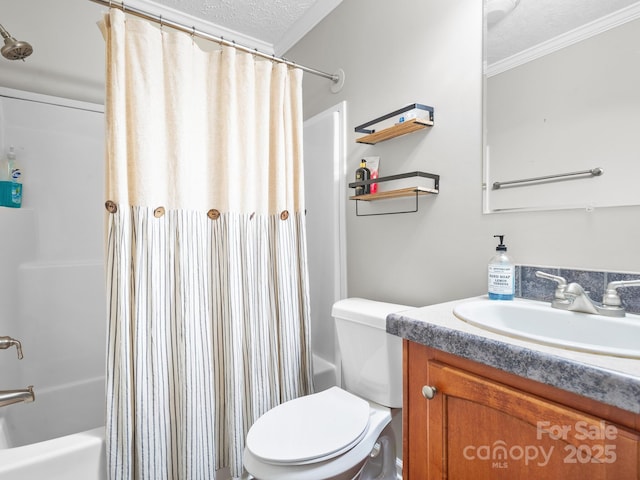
(8, 397)
(6, 342)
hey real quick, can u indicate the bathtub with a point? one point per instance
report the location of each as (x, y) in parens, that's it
(38, 440)
(80, 456)
(59, 317)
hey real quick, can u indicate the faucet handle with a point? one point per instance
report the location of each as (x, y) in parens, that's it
(6, 342)
(561, 281)
(611, 297)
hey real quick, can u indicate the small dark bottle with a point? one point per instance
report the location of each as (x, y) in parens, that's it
(363, 173)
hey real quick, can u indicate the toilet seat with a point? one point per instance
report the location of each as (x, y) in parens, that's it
(310, 429)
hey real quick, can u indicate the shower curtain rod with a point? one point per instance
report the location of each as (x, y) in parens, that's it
(335, 77)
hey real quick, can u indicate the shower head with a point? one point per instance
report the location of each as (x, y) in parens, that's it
(14, 49)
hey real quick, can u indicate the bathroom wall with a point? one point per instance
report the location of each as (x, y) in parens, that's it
(397, 53)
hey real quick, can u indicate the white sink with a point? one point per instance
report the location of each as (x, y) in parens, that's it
(538, 322)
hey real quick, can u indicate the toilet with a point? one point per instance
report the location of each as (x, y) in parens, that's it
(339, 433)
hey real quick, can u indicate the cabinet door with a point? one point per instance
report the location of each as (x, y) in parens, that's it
(481, 429)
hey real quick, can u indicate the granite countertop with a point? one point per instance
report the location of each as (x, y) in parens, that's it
(607, 379)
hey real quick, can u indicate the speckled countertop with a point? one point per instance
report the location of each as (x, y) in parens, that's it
(611, 380)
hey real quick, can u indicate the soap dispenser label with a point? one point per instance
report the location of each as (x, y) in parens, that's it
(501, 279)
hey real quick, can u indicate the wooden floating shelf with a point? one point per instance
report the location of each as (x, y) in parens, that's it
(399, 193)
(405, 192)
(397, 130)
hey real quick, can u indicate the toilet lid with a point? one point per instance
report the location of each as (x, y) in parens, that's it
(310, 429)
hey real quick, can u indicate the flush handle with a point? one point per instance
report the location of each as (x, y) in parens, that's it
(429, 392)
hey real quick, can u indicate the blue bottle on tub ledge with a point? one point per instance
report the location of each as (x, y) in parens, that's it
(10, 188)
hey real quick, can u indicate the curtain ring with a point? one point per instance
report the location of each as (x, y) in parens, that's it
(193, 33)
(161, 23)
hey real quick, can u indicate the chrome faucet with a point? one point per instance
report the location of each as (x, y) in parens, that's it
(579, 300)
(6, 342)
(8, 397)
(611, 297)
(574, 298)
(559, 298)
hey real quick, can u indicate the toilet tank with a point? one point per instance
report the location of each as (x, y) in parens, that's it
(371, 358)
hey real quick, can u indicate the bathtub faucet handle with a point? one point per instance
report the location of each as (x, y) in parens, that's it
(6, 342)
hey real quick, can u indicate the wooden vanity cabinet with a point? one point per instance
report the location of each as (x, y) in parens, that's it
(483, 423)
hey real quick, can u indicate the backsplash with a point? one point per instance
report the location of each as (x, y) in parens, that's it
(595, 282)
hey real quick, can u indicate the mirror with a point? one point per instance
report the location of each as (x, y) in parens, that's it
(562, 97)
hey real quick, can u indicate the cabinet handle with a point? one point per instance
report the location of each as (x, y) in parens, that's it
(429, 392)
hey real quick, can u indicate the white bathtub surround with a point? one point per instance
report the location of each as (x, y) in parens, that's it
(52, 276)
(206, 261)
(324, 374)
(59, 410)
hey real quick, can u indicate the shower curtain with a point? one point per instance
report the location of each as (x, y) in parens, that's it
(207, 278)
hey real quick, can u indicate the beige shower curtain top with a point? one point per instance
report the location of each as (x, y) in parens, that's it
(203, 130)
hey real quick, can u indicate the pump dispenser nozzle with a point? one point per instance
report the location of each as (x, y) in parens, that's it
(501, 246)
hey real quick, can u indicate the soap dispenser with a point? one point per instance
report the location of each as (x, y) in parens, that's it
(501, 279)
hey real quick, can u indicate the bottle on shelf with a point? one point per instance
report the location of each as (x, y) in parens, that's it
(363, 173)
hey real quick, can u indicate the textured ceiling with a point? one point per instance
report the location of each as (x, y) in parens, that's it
(273, 25)
(535, 21)
(266, 20)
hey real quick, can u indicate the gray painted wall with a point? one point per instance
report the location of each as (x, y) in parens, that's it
(397, 53)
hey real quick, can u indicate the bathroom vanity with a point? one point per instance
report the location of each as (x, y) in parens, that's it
(479, 404)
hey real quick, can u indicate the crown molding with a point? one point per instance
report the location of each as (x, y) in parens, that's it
(177, 16)
(310, 19)
(588, 30)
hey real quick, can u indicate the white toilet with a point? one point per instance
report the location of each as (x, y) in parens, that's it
(338, 434)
